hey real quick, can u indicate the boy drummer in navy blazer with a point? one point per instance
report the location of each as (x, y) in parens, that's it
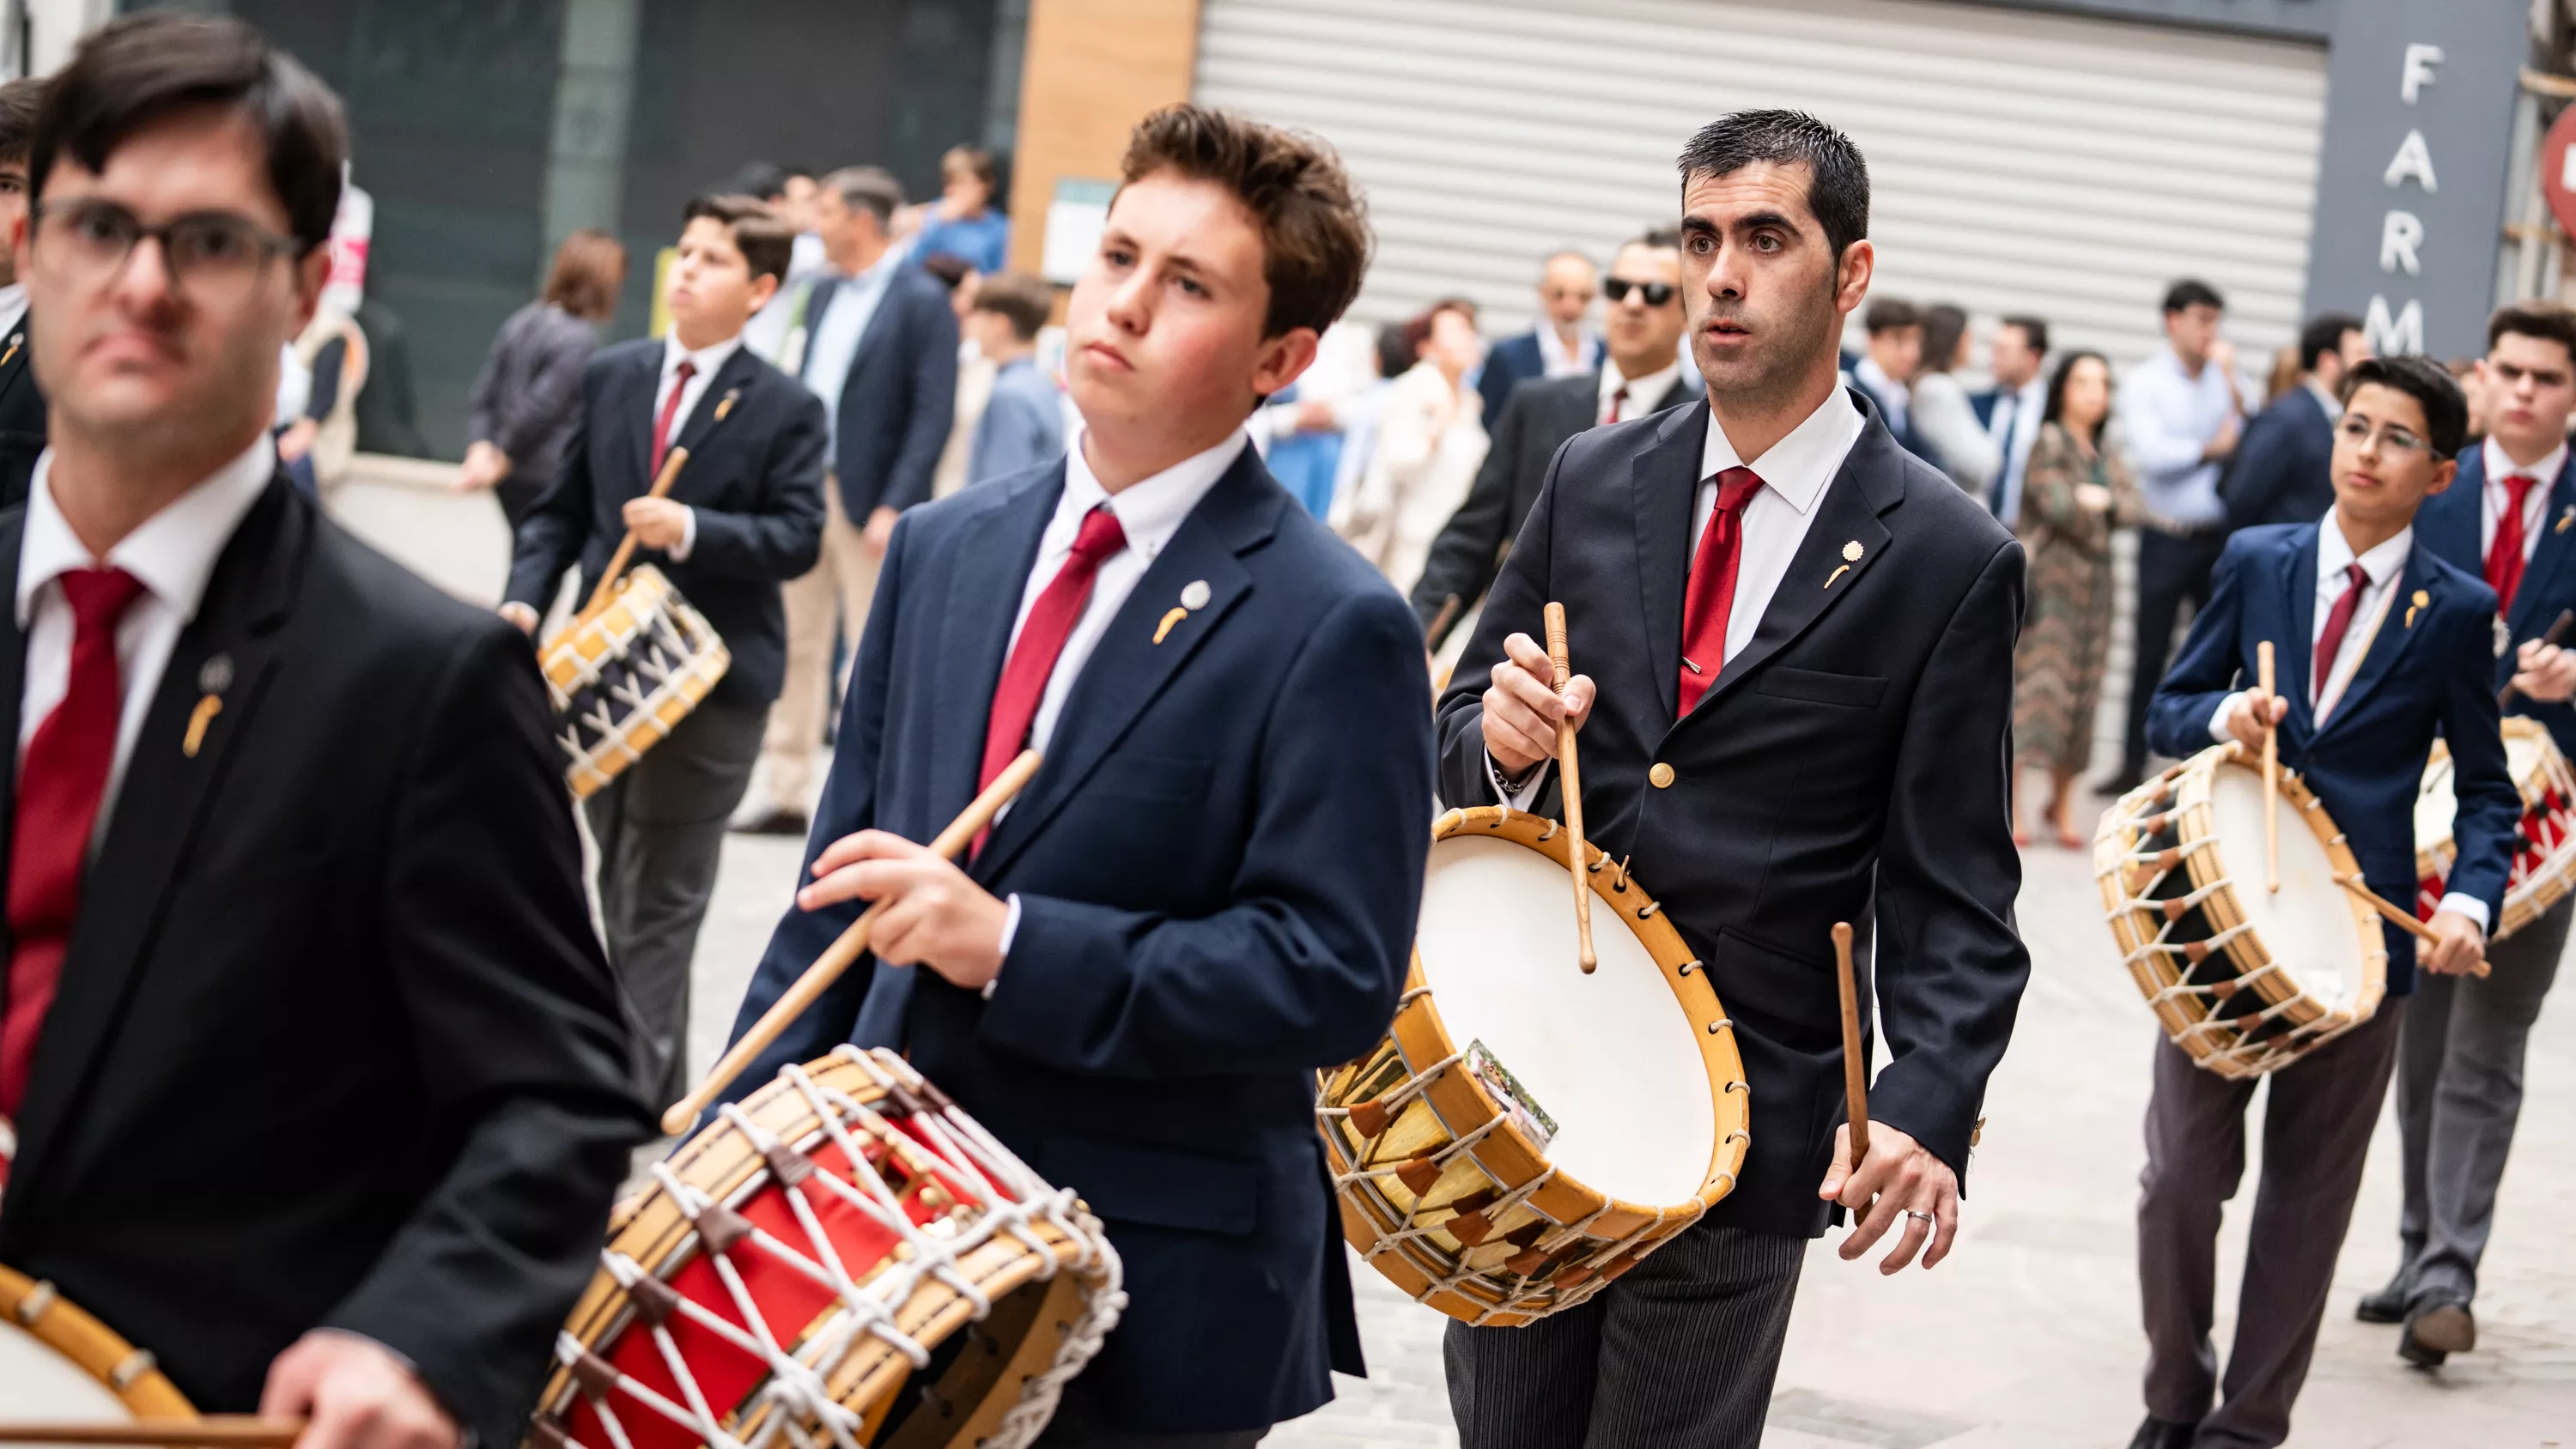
(2382, 646)
(1208, 891)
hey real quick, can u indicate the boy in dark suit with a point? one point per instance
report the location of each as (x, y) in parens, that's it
(2381, 646)
(744, 516)
(1208, 891)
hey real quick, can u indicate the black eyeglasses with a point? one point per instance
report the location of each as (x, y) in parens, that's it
(1655, 293)
(215, 258)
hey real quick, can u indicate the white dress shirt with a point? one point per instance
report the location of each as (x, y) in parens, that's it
(1557, 359)
(1894, 398)
(706, 361)
(832, 345)
(13, 309)
(1795, 472)
(2535, 504)
(2169, 416)
(1643, 392)
(172, 554)
(2020, 410)
(2384, 565)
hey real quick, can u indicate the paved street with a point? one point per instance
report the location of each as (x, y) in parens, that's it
(2027, 1337)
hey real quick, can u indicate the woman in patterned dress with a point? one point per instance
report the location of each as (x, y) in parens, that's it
(2075, 492)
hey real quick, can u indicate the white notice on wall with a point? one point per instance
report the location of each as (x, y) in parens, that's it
(1074, 221)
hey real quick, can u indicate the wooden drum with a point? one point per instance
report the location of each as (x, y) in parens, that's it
(1525, 1133)
(625, 674)
(2544, 853)
(59, 1364)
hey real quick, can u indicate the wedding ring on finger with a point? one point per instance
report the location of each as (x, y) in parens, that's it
(1927, 1217)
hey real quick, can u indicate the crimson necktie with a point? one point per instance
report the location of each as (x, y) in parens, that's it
(670, 413)
(59, 787)
(1041, 642)
(1711, 593)
(2504, 556)
(1618, 404)
(2338, 622)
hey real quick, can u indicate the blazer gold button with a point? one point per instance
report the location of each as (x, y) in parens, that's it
(1662, 774)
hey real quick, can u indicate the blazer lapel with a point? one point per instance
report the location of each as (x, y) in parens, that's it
(160, 804)
(1128, 669)
(1684, 388)
(730, 381)
(2548, 557)
(2398, 626)
(1825, 569)
(975, 631)
(1661, 482)
(2292, 658)
(13, 667)
(14, 357)
(644, 397)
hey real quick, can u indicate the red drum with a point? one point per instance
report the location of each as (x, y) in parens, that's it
(2544, 857)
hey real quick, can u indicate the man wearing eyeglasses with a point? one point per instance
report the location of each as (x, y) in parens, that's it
(1642, 374)
(319, 1081)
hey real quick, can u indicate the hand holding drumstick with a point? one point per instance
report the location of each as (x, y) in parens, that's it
(1560, 671)
(1880, 1173)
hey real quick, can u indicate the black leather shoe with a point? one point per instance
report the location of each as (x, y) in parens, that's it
(2121, 784)
(2435, 1329)
(773, 821)
(2388, 1305)
(2157, 1433)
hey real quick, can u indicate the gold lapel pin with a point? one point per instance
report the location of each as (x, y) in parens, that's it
(730, 398)
(1851, 555)
(1194, 595)
(214, 677)
(2564, 520)
(17, 337)
(2420, 601)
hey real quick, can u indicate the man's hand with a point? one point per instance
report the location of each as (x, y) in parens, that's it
(880, 531)
(658, 522)
(484, 466)
(1522, 707)
(2458, 945)
(935, 916)
(2252, 711)
(297, 440)
(521, 615)
(356, 1395)
(2223, 444)
(1900, 1177)
(2544, 672)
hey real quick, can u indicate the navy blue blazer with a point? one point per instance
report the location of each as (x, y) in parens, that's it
(1516, 360)
(2367, 764)
(2451, 524)
(2283, 468)
(1218, 869)
(900, 398)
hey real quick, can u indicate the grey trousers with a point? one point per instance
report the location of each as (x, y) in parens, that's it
(2459, 1093)
(1682, 1350)
(660, 828)
(2316, 1135)
(1078, 1425)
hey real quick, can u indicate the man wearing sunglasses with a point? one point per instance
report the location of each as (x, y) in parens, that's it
(1642, 374)
(319, 1081)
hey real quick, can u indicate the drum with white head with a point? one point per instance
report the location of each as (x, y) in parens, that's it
(59, 1364)
(2544, 856)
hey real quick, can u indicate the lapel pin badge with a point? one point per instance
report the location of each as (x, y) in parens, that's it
(2503, 636)
(731, 397)
(2420, 601)
(16, 338)
(1851, 555)
(214, 677)
(1194, 595)
(2565, 520)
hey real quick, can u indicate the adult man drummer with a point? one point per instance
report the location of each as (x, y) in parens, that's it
(1802, 638)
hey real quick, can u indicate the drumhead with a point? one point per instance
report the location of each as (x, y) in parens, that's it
(2308, 926)
(2437, 807)
(42, 1384)
(1611, 1058)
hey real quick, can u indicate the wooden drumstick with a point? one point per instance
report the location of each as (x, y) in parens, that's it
(2557, 631)
(617, 561)
(1855, 1067)
(214, 1431)
(836, 958)
(1574, 854)
(2399, 915)
(2271, 773)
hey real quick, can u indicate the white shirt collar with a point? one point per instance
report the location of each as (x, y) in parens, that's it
(708, 359)
(1643, 392)
(2327, 400)
(1875, 378)
(13, 305)
(1555, 358)
(1800, 465)
(2334, 553)
(172, 554)
(2500, 467)
(1150, 511)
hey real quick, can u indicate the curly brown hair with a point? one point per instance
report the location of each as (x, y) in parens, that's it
(1315, 240)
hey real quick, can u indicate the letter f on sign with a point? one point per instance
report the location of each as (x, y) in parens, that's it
(2417, 72)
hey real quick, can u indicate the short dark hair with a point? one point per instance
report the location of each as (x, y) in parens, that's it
(871, 189)
(2190, 292)
(1943, 326)
(977, 159)
(2322, 335)
(19, 101)
(764, 179)
(1660, 238)
(1837, 176)
(2446, 408)
(1315, 240)
(1887, 314)
(948, 267)
(1397, 350)
(763, 236)
(2034, 330)
(138, 69)
(2548, 321)
(1018, 298)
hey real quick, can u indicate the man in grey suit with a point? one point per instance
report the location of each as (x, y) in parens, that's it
(1642, 374)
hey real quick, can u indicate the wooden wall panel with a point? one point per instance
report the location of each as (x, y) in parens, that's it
(1093, 68)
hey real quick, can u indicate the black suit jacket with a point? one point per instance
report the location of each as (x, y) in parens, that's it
(1532, 426)
(22, 413)
(1848, 765)
(755, 479)
(334, 1045)
(900, 398)
(2283, 470)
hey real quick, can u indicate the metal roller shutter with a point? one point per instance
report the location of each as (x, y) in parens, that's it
(2020, 162)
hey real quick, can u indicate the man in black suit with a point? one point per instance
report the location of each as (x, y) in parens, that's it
(876, 340)
(22, 402)
(1803, 642)
(320, 1086)
(1643, 375)
(744, 516)
(1557, 345)
(2283, 469)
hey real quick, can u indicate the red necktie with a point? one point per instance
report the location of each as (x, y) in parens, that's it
(2504, 556)
(59, 788)
(1050, 622)
(1711, 594)
(1618, 404)
(670, 413)
(2338, 621)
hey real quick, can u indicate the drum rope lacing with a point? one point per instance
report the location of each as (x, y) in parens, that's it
(798, 1381)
